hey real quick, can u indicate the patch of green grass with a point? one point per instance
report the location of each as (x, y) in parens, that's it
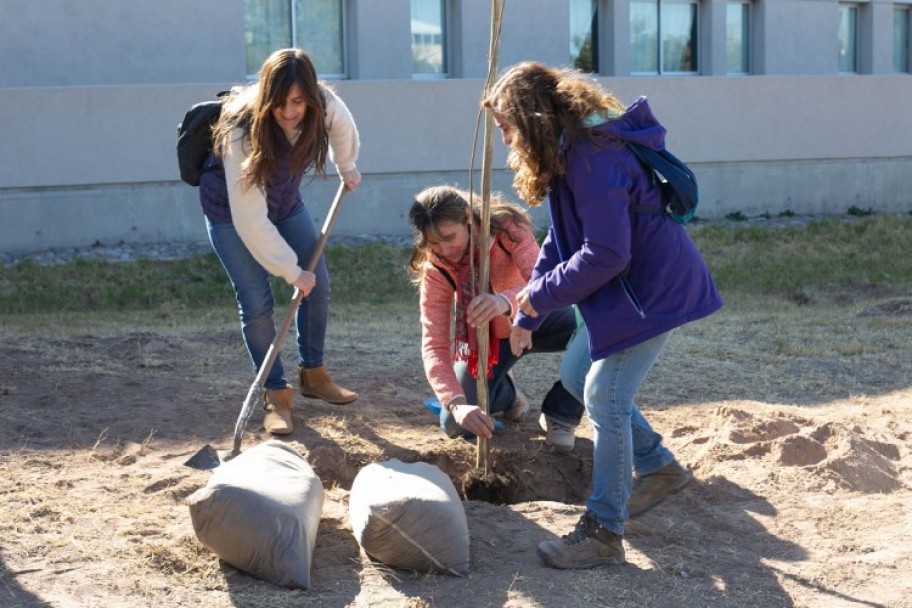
(805, 265)
(100, 285)
(365, 274)
(371, 273)
(827, 258)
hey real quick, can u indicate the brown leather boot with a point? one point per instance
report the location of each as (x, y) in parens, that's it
(589, 545)
(315, 382)
(278, 411)
(650, 490)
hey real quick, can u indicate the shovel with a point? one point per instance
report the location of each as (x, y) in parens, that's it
(208, 458)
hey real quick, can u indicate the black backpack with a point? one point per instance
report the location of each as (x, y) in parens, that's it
(194, 137)
(676, 181)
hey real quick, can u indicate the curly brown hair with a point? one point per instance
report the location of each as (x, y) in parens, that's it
(252, 109)
(448, 204)
(544, 104)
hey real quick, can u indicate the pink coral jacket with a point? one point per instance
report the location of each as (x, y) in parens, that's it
(511, 263)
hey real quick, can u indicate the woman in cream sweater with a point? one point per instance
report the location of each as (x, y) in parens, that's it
(269, 135)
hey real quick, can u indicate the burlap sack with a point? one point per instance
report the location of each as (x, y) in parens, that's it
(409, 516)
(260, 512)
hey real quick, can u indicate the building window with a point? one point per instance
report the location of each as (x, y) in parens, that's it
(737, 37)
(901, 26)
(313, 25)
(847, 38)
(429, 57)
(663, 37)
(584, 35)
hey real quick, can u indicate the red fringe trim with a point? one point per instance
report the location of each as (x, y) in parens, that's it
(463, 353)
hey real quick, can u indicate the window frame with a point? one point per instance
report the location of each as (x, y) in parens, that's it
(904, 55)
(343, 34)
(747, 32)
(660, 39)
(854, 10)
(594, 30)
(444, 74)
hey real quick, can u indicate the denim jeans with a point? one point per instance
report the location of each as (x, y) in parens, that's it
(254, 295)
(623, 441)
(552, 336)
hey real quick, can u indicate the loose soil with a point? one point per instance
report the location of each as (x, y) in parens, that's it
(795, 421)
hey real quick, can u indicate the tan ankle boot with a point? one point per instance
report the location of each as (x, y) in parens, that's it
(315, 382)
(278, 411)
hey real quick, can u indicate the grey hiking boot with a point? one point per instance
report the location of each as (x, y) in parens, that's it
(589, 545)
(650, 490)
(559, 437)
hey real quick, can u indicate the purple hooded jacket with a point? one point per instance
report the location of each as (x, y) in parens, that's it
(633, 276)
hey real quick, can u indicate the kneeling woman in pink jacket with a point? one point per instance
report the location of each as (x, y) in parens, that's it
(442, 268)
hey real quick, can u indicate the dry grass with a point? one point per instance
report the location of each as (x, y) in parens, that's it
(99, 411)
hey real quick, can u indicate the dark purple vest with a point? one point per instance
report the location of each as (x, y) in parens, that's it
(282, 194)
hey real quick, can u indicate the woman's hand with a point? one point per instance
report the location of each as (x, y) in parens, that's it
(520, 340)
(472, 419)
(305, 282)
(525, 305)
(351, 179)
(485, 307)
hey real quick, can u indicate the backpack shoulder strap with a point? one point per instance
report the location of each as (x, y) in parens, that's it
(641, 154)
(677, 182)
(445, 274)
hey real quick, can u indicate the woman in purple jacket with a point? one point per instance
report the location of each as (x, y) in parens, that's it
(633, 276)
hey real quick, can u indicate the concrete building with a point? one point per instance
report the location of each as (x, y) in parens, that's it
(778, 105)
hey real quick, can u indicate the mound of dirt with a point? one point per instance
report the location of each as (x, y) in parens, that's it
(824, 452)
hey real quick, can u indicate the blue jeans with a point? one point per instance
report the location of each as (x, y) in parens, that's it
(254, 294)
(552, 336)
(623, 441)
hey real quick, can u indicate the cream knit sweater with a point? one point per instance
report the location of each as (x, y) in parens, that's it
(248, 205)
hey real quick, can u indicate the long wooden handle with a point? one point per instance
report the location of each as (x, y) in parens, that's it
(257, 387)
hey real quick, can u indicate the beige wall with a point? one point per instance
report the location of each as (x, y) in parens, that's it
(91, 92)
(86, 164)
(110, 134)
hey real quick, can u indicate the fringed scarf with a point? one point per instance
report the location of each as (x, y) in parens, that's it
(466, 337)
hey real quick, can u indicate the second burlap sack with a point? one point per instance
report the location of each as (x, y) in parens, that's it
(409, 516)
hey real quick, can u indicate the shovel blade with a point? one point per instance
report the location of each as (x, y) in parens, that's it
(204, 460)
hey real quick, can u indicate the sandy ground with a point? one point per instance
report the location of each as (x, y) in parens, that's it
(797, 429)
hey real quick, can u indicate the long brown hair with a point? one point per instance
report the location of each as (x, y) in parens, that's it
(543, 104)
(252, 111)
(449, 204)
